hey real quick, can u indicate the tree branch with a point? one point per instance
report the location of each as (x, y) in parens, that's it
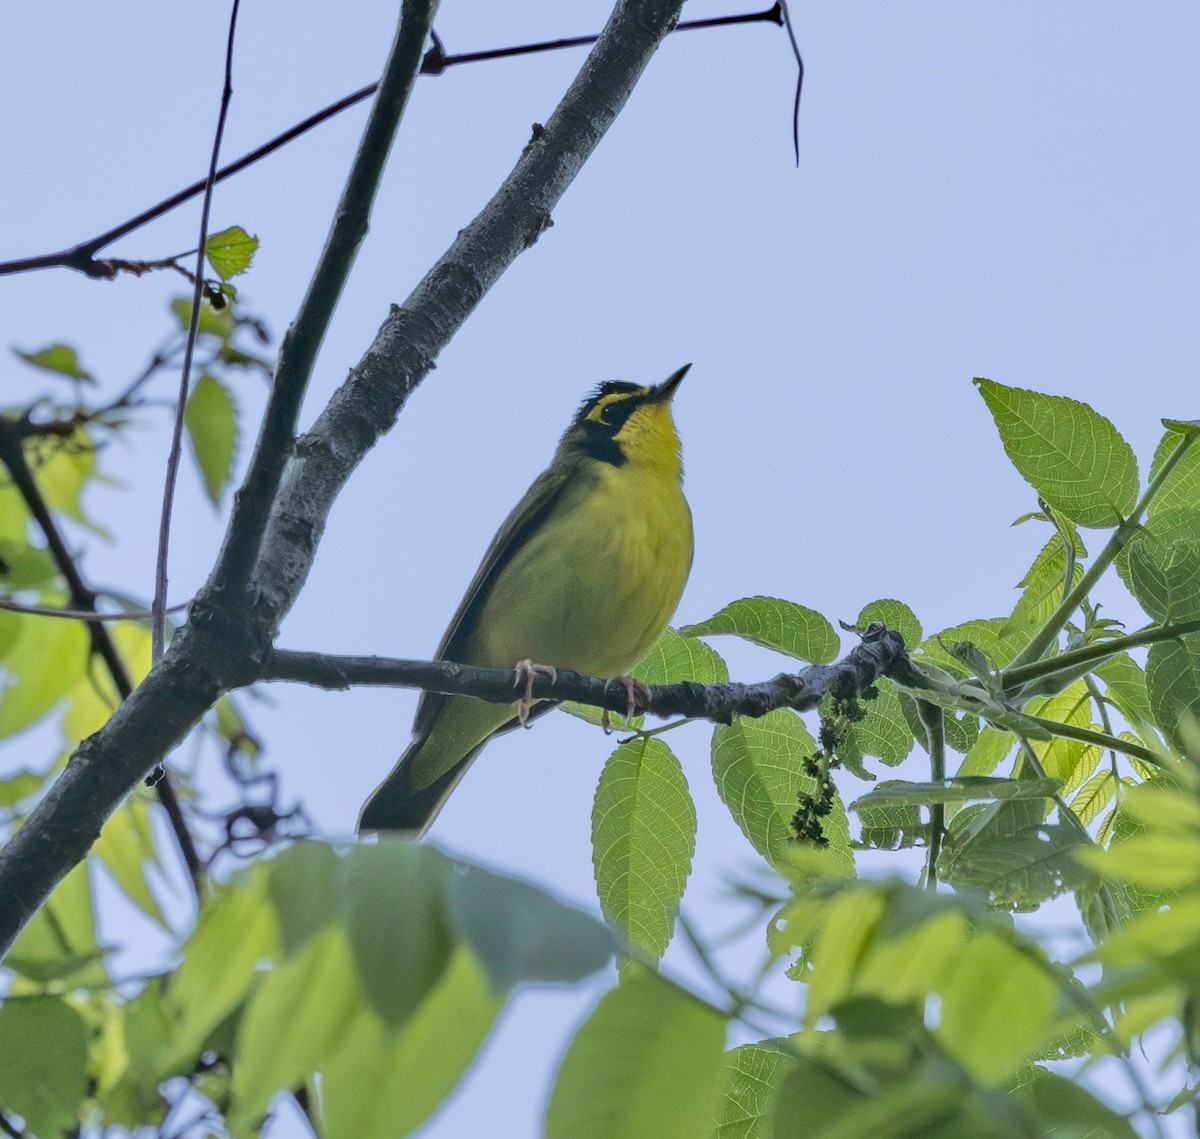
(881, 653)
(231, 630)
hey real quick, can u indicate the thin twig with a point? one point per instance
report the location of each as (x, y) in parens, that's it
(85, 614)
(82, 257)
(158, 623)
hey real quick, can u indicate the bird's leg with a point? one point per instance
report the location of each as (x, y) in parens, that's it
(526, 670)
(633, 689)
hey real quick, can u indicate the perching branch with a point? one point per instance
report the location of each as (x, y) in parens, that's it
(881, 653)
(231, 629)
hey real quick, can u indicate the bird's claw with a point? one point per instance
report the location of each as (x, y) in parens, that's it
(634, 688)
(526, 670)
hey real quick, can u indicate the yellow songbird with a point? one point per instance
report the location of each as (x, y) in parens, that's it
(584, 574)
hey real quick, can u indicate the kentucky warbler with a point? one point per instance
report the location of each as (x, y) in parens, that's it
(584, 574)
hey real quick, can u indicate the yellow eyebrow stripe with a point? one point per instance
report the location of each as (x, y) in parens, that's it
(616, 397)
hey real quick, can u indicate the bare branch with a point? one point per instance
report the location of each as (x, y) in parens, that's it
(881, 653)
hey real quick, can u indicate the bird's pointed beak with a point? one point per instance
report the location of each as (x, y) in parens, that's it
(666, 389)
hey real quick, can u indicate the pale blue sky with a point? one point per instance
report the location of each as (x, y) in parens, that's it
(1003, 189)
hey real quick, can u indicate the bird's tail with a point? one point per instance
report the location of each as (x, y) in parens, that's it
(396, 806)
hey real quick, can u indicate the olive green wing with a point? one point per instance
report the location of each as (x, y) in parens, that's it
(526, 518)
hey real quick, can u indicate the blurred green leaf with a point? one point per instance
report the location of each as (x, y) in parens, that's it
(303, 888)
(382, 1083)
(775, 624)
(211, 421)
(1065, 1110)
(643, 839)
(59, 943)
(647, 1062)
(295, 1019)
(61, 358)
(230, 251)
(1073, 457)
(236, 929)
(43, 1063)
(212, 322)
(519, 933)
(43, 664)
(126, 847)
(390, 899)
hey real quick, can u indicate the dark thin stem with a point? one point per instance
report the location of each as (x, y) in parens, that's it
(298, 353)
(787, 23)
(158, 622)
(11, 1129)
(436, 60)
(83, 597)
(935, 737)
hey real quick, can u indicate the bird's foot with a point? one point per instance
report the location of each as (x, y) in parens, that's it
(634, 688)
(526, 670)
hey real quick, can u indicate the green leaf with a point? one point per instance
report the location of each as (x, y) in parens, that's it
(230, 251)
(887, 825)
(1173, 684)
(997, 1007)
(895, 615)
(61, 358)
(25, 567)
(750, 1088)
(986, 752)
(988, 635)
(1010, 853)
(295, 1019)
(1068, 760)
(42, 666)
(643, 839)
(390, 898)
(775, 624)
(381, 1083)
(62, 468)
(1072, 456)
(1043, 587)
(1182, 485)
(961, 789)
(211, 421)
(646, 1063)
(236, 930)
(519, 933)
(1126, 681)
(883, 731)
(757, 765)
(43, 1063)
(94, 696)
(1094, 796)
(1163, 565)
